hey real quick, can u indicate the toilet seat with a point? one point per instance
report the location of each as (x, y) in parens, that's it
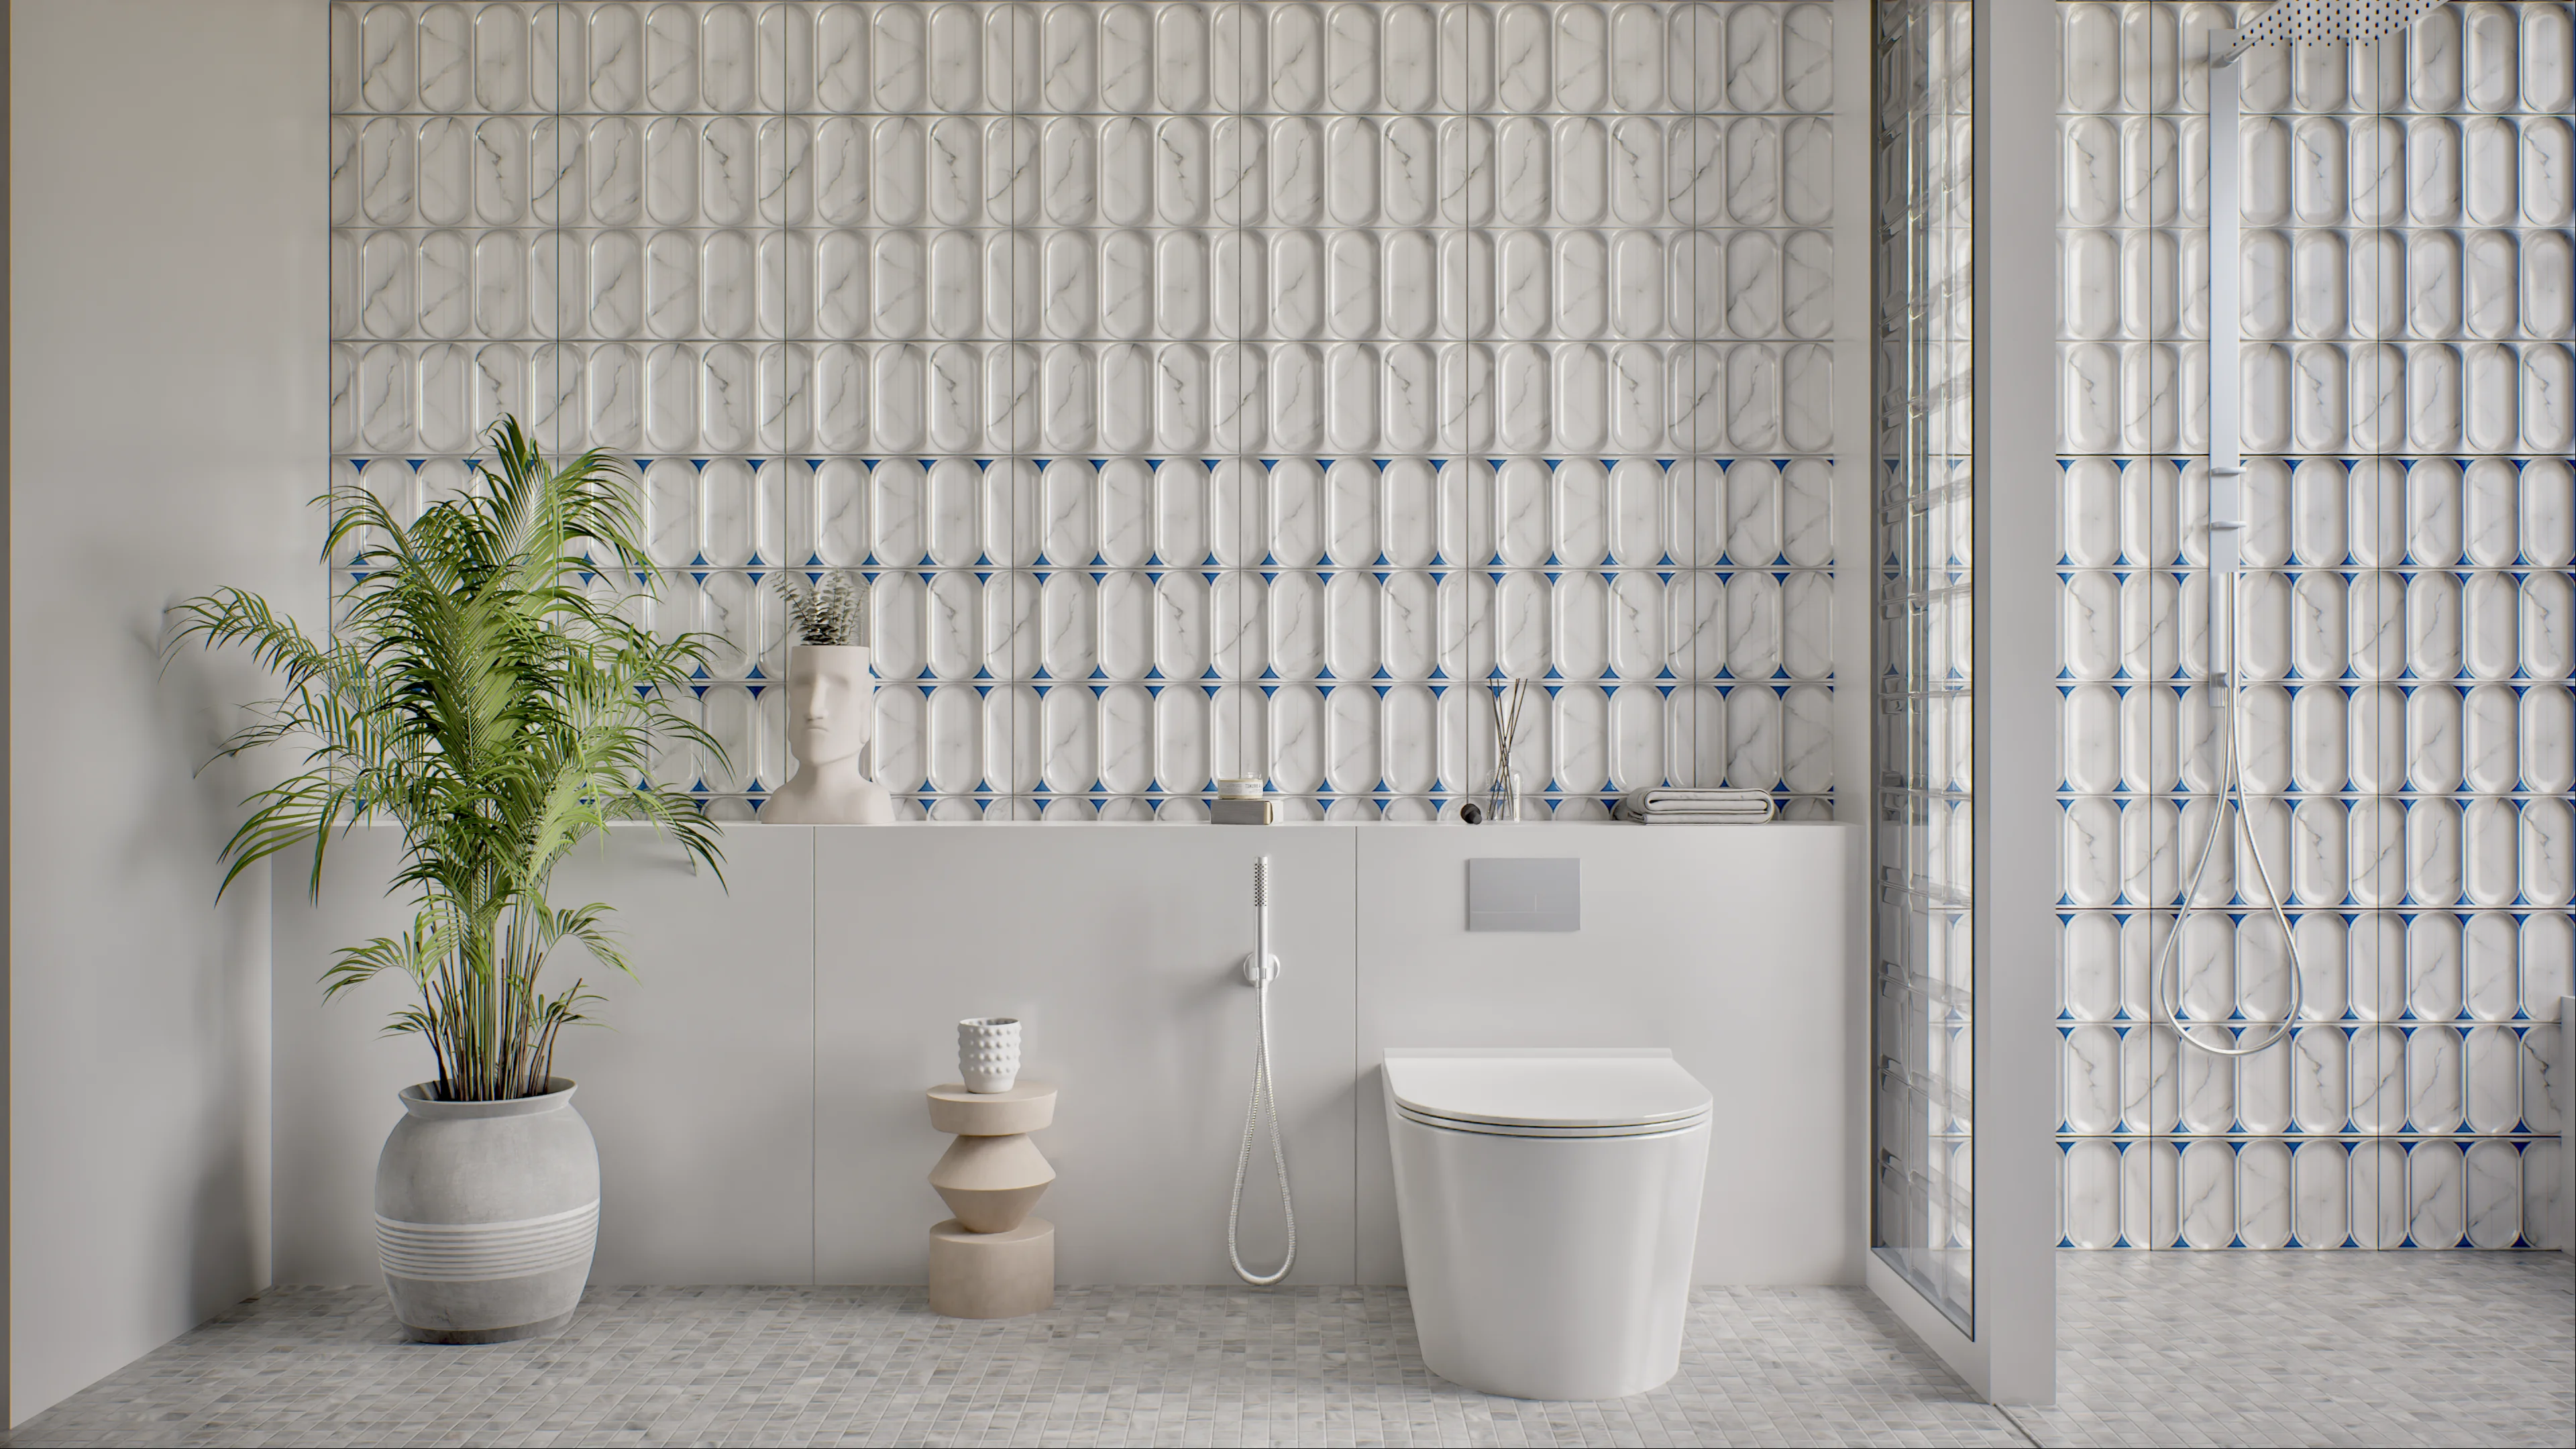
(1496, 1129)
(1549, 1095)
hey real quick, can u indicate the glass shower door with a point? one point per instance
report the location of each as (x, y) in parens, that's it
(1923, 987)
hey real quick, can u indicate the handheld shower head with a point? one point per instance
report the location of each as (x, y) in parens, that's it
(1260, 966)
(2293, 22)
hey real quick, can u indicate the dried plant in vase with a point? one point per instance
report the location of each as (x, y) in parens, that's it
(831, 701)
(832, 610)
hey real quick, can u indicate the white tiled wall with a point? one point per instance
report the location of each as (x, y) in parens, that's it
(2409, 630)
(1208, 389)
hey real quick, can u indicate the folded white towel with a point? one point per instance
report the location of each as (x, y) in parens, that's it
(1688, 806)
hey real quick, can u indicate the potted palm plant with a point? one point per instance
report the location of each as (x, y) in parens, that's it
(483, 692)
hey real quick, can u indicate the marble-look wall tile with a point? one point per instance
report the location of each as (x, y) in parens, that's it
(745, 244)
(2402, 279)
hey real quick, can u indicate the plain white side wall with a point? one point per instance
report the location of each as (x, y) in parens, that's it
(167, 301)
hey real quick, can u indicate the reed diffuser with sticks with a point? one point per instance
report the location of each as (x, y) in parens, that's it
(1503, 796)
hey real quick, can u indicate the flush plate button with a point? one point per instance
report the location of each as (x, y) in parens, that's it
(1525, 895)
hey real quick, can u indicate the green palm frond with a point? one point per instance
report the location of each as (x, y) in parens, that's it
(481, 697)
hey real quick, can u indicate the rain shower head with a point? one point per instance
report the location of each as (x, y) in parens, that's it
(2308, 22)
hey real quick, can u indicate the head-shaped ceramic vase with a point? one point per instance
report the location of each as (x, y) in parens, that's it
(831, 702)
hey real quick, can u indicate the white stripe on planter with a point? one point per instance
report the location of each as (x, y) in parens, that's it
(468, 1252)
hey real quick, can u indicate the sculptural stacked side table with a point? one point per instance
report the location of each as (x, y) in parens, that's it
(993, 1259)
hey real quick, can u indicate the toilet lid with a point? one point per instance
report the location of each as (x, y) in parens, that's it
(1548, 1091)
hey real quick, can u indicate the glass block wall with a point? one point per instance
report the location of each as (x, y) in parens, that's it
(2407, 635)
(1924, 998)
(1206, 390)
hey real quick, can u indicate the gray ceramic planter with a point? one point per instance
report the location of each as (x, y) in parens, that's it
(486, 1215)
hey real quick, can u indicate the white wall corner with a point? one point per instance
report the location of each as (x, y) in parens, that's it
(168, 393)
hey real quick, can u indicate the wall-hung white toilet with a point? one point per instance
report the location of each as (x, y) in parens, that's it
(1549, 1203)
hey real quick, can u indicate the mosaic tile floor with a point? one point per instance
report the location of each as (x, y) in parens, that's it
(2367, 1349)
(2313, 1348)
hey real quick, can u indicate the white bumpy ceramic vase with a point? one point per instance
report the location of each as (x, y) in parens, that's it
(988, 1053)
(486, 1215)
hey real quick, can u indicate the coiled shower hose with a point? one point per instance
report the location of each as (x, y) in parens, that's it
(1259, 968)
(2161, 982)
